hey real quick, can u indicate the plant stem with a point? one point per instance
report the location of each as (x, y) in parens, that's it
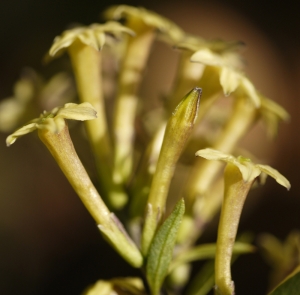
(135, 59)
(235, 193)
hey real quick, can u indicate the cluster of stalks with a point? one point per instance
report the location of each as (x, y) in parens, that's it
(159, 229)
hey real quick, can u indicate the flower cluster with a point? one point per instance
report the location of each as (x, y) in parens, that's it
(136, 185)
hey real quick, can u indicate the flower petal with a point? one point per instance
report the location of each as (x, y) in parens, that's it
(20, 132)
(272, 113)
(93, 35)
(250, 91)
(229, 80)
(81, 112)
(248, 169)
(275, 174)
(211, 154)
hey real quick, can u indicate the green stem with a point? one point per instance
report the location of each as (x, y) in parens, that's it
(127, 100)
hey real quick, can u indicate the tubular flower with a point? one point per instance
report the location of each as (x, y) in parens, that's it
(248, 169)
(196, 55)
(145, 24)
(83, 46)
(239, 176)
(54, 121)
(226, 61)
(54, 133)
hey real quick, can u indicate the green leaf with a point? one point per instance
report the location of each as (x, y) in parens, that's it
(290, 285)
(204, 280)
(206, 251)
(161, 249)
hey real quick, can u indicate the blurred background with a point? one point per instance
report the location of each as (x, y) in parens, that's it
(48, 242)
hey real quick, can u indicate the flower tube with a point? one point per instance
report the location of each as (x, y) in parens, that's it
(239, 176)
(54, 133)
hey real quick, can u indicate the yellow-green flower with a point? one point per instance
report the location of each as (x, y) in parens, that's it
(54, 121)
(199, 64)
(213, 53)
(83, 45)
(149, 18)
(94, 36)
(248, 169)
(54, 133)
(233, 80)
(239, 176)
(145, 24)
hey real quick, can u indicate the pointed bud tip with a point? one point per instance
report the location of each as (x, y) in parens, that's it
(195, 96)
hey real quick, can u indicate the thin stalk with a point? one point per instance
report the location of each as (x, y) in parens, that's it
(134, 62)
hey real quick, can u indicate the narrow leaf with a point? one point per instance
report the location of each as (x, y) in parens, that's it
(290, 285)
(204, 280)
(161, 249)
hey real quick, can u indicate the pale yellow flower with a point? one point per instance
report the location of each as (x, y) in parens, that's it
(54, 121)
(248, 169)
(235, 81)
(93, 35)
(150, 19)
(213, 52)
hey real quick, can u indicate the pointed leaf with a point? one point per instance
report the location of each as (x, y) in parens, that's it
(204, 280)
(161, 249)
(290, 285)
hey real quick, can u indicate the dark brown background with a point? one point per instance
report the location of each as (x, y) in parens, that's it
(48, 243)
